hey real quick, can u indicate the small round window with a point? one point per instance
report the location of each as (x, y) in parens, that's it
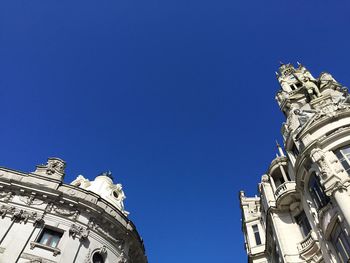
(97, 258)
(115, 194)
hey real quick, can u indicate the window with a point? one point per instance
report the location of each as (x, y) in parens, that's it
(295, 151)
(256, 234)
(317, 193)
(298, 85)
(49, 237)
(343, 155)
(97, 258)
(303, 223)
(115, 194)
(341, 243)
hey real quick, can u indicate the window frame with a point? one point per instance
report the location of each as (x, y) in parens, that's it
(340, 241)
(39, 244)
(256, 233)
(97, 253)
(343, 158)
(303, 223)
(53, 234)
(316, 191)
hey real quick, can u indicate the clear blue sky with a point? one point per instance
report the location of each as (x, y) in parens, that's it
(175, 97)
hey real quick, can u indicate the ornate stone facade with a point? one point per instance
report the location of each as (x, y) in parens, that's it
(302, 212)
(44, 220)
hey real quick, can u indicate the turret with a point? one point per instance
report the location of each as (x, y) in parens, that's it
(103, 186)
(293, 82)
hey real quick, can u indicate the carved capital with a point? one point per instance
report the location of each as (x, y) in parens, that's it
(337, 186)
(38, 219)
(78, 232)
(20, 216)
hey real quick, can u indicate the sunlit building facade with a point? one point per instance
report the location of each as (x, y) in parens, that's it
(43, 220)
(302, 210)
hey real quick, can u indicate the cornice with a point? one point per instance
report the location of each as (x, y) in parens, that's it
(76, 200)
(322, 121)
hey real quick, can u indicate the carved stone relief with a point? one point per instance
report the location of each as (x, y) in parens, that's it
(6, 196)
(65, 211)
(31, 200)
(54, 165)
(4, 209)
(106, 231)
(20, 216)
(78, 232)
(319, 157)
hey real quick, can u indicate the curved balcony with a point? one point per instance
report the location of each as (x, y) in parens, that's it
(308, 248)
(285, 194)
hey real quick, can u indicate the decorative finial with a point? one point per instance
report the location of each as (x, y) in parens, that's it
(280, 150)
(108, 174)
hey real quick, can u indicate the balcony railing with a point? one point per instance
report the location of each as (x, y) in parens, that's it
(306, 243)
(283, 188)
(309, 248)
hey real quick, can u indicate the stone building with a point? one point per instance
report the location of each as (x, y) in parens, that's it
(45, 220)
(302, 210)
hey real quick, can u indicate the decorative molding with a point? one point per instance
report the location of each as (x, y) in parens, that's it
(319, 157)
(79, 232)
(55, 165)
(54, 250)
(123, 258)
(4, 209)
(337, 186)
(20, 216)
(102, 250)
(106, 231)
(35, 259)
(64, 211)
(38, 219)
(6, 196)
(31, 200)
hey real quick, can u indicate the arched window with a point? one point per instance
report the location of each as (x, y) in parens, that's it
(317, 192)
(97, 258)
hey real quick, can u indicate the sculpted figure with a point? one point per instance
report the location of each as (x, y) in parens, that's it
(311, 88)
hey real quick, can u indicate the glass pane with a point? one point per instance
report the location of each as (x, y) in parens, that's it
(97, 258)
(345, 243)
(257, 238)
(341, 252)
(346, 150)
(345, 164)
(44, 238)
(339, 155)
(50, 237)
(54, 241)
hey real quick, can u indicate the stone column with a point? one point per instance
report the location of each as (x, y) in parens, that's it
(273, 184)
(342, 199)
(283, 173)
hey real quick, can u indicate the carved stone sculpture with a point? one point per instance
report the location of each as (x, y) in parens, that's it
(78, 232)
